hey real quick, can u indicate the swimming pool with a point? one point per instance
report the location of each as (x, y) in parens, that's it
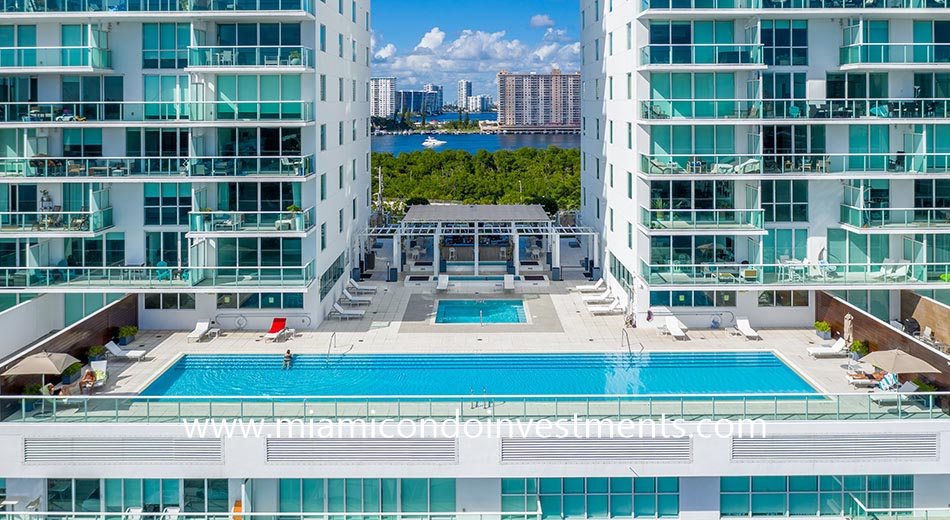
(496, 374)
(480, 311)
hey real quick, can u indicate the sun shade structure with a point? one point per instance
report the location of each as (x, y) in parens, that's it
(898, 362)
(44, 363)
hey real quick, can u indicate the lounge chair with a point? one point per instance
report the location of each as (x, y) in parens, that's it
(900, 274)
(838, 349)
(676, 328)
(862, 380)
(443, 284)
(341, 314)
(200, 332)
(101, 370)
(509, 283)
(904, 393)
(277, 330)
(350, 299)
(743, 326)
(115, 351)
(591, 288)
(603, 298)
(605, 310)
(749, 166)
(362, 289)
(133, 513)
(888, 383)
(171, 513)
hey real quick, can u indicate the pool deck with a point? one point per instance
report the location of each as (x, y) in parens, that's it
(397, 322)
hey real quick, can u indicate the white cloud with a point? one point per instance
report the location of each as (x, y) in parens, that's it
(387, 52)
(432, 40)
(541, 20)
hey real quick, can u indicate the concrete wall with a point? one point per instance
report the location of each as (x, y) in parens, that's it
(29, 321)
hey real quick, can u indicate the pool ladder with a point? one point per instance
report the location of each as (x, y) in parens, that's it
(330, 346)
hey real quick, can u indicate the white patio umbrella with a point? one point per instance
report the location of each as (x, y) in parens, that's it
(898, 362)
(848, 334)
(42, 364)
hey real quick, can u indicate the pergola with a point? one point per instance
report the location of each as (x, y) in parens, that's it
(461, 222)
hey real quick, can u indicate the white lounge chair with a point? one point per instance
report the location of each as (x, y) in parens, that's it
(861, 380)
(101, 370)
(355, 300)
(603, 310)
(133, 513)
(591, 288)
(901, 394)
(362, 289)
(675, 328)
(115, 351)
(171, 513)
(604, 298)
(839, 349)
(900, 274)
(341, 314)
(200, 332)
(743, 326)
(509, 283)
(443, 284)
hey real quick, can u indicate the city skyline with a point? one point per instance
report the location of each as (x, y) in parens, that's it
(532, 36)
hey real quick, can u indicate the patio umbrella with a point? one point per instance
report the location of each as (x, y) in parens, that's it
(898, 362)
(42, 364)
(848, 333)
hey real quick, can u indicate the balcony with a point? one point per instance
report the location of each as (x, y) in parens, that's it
(667, 5)
(824, 110)
(814, 164)
(873, 55)
(101, 7)
(680, 55)
(253, 222)
(58, 114)
(911, 220)
(797, 274)
(267, 57)
(156, 279)
(136, 167)
(44, 223)
(55, 59)
(745, 221)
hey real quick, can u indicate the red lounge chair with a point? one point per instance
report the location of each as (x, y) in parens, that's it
(277, 330)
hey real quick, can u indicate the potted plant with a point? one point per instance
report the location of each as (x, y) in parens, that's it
(924, 387)
(34, 389)
(127, 334)
(96, 353)
(658, 216)
(296, 216)
(823, 329)
(294, 57)
(71, 374)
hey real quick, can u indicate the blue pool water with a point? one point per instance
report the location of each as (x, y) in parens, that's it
(480, 311)
(496, 374)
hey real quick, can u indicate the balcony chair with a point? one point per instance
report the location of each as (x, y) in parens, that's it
(163, 273)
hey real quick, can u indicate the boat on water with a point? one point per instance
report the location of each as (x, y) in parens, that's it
(432, 142)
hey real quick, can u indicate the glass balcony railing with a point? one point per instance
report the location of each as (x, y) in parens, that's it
(899, 53)
(251, 56)
(797, 273)
(792, 4)
(176, 278)
(795, 109)
(703, 219)
(152, 6)
(252, 221)
(58, 57)
(220, 166)
(701, 54)
(688, 408)
(799, 164)
(56, 221)
(28, 112)
(922, 219)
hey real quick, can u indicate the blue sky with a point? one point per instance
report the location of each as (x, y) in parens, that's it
(443, 41)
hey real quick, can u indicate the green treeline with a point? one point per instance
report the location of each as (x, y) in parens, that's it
(483, 178)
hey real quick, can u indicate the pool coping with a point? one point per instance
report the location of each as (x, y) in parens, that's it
(524, 307)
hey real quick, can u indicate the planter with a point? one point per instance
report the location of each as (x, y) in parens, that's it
(126, 340)
(100, 357)
(68, 380)
(823, 335)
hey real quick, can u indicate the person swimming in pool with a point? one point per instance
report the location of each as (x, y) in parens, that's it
(288, 359)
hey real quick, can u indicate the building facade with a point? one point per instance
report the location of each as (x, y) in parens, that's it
(211, 158)
(416, 101)
(464, 92)
(479, 103)
(734, 166)
(540, 101)
(382, 95)
(436, 96)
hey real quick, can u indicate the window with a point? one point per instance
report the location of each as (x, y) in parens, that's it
(785, 201)
(170, 302)
(783, 299)
(165, 45)
(323, 38)
(332, 275)
(693, 298)
(323, 137)
(826, 495)
(260, 301)
(167, 204)
(323, 236)
(618, 497)
(323, 87)
(785, 42)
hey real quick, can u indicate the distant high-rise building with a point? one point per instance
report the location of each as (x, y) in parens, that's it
(436, 99)
(465, 92)
(479, 103)
(382, 95)
(539, 100)
(419, 101)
